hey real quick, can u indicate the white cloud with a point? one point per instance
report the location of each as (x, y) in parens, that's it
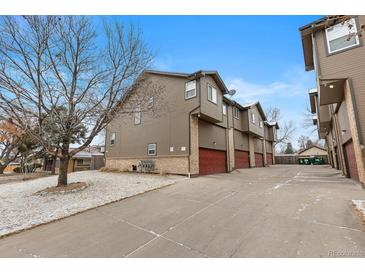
(292, 83)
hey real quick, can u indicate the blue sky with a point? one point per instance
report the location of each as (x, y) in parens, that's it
(260, 56)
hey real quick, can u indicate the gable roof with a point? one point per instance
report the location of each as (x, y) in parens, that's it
(258, 105)
(272, 124)
(200, 73)
(307, 31)
(313, 146)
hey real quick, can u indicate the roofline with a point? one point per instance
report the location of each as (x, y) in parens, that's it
(317, 146)
(169, 73)
(257, 103)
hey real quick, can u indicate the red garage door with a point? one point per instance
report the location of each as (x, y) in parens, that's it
(351, 161)
(269, 158)
(259, 160)
(241, 159)
(212, 161)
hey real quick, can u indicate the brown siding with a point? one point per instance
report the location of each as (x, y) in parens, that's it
(258, 145)
(268, 146)
(344, 123)
(211, 136)
(170, 128)
(347, 64)
(240, 140)
(207, 107)
(255, 127)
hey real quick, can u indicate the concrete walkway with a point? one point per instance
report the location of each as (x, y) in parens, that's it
(280, 211)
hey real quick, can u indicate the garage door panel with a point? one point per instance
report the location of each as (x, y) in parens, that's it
(259, 160)
(269, 158)
(212, 161)
(351, 160)
(242, 159)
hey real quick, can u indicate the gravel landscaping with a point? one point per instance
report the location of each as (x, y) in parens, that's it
(21, 208)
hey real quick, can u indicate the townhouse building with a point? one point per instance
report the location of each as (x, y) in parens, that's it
(333, 48)
(200, 132)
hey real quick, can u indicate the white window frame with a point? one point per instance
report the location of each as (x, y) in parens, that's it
(152, 147)
(112, 138)
(151, 102)
(261, 123)
(212, 94)
(236, 113)
(189, 89)
(137, 115)
(224, 108)
(253, 118)
(340, 30)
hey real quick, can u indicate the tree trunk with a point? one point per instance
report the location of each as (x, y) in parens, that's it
(53, 168)
(2, 168)
(62, 176)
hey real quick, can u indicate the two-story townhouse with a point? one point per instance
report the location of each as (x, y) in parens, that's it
(270, 140)
(333, 47)
(197, 133)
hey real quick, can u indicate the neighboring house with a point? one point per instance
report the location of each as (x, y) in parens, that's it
(200, 132)
(333, 48)
(313, 151)
(91, 158)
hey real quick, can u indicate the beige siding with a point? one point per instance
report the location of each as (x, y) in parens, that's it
(255, 127)
(211, 136)
(169, 127)
(207, 107)
(268, 146)
(258, 145)
(344, 123)
(240, 140)
(347, 64)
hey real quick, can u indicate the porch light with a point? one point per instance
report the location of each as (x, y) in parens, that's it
(331, 86)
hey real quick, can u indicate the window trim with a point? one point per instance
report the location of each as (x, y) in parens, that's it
(137, 112)
(216, 95)
(236, 111)
(224, 109)
(358, 40)
(261, 123)
(148, 149)
(253, 118)
(186, 91)
(110, 138)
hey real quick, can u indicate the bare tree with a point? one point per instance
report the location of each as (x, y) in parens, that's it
(50, 62)
(287, 129)
(10, 138)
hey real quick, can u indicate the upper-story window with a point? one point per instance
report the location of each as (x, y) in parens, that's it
(261, 124)
(212, 94)
(112, 138)
(236, 113)
(253, 117)
(137, 115)
(151, 102)
(190, 89)
(342, 36)
(224, 109)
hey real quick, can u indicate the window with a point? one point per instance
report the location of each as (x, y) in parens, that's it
(224, 109)
(83, 162)
(236, 113)
(137, 115)
(112, 138)
(253, 117)
(261, 124)
(150, 102)
(212, 94)
(190, 89)
(342, 36)
(151, 149)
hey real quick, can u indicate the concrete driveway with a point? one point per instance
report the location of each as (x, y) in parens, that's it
(280, 211)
